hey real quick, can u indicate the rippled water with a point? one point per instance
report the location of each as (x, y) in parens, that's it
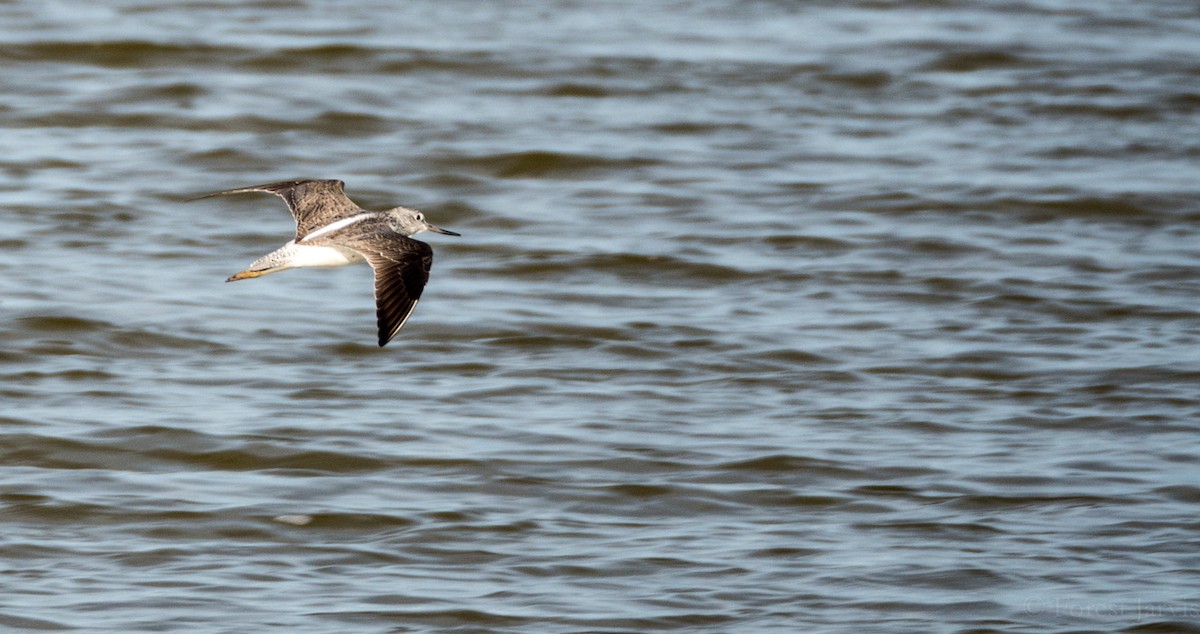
(767, 316)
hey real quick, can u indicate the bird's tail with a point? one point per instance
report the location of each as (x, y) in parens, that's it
(277, 260)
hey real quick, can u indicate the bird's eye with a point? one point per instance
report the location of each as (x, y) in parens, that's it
(420, 216)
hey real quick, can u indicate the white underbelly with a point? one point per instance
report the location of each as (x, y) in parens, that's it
(306, 255)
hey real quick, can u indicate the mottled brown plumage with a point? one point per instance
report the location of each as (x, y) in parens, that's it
(313, 203)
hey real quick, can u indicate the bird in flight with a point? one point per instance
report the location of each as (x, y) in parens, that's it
(331, 230)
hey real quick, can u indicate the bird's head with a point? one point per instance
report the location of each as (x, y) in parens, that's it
(410, 222)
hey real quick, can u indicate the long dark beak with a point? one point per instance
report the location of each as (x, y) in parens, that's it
(437, 229)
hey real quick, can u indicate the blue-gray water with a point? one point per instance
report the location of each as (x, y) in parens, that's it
(767, 316)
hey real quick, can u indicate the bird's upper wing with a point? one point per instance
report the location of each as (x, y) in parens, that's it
(313, 203)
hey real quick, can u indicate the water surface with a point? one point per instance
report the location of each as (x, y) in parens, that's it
(766, 316)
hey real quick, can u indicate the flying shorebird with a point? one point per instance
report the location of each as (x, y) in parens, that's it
(333, 231)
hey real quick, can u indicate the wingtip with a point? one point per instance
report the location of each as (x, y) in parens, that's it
(215, 194)
(269, 188)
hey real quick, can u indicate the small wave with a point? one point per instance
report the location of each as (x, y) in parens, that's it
(542, 164)
(441, 620)
(589, 91)
(976, 60)
(348, 123)
(868, 80)
(25, 623)
(70, 335)
(114, 54)
(967, 531)
(333, 58)
(346, 521)
(62, 324)
(258, 458)
(784, 463)
(632, 266)
(789, 357)
(998, 503)
(694, 128)
(178, 91)
(957, 579)
(152, 447)
(333, 122)
(794, 242)
(1140, 209)
(1088, 207)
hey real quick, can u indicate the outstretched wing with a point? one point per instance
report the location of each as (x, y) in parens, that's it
(313, 203)
(401, 267)
(401, 271)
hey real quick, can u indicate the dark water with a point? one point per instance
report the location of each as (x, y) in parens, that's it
(767, 316)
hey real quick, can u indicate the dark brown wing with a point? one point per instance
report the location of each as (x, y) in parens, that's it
(401, 271)
(401, 267)
(313, 203)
